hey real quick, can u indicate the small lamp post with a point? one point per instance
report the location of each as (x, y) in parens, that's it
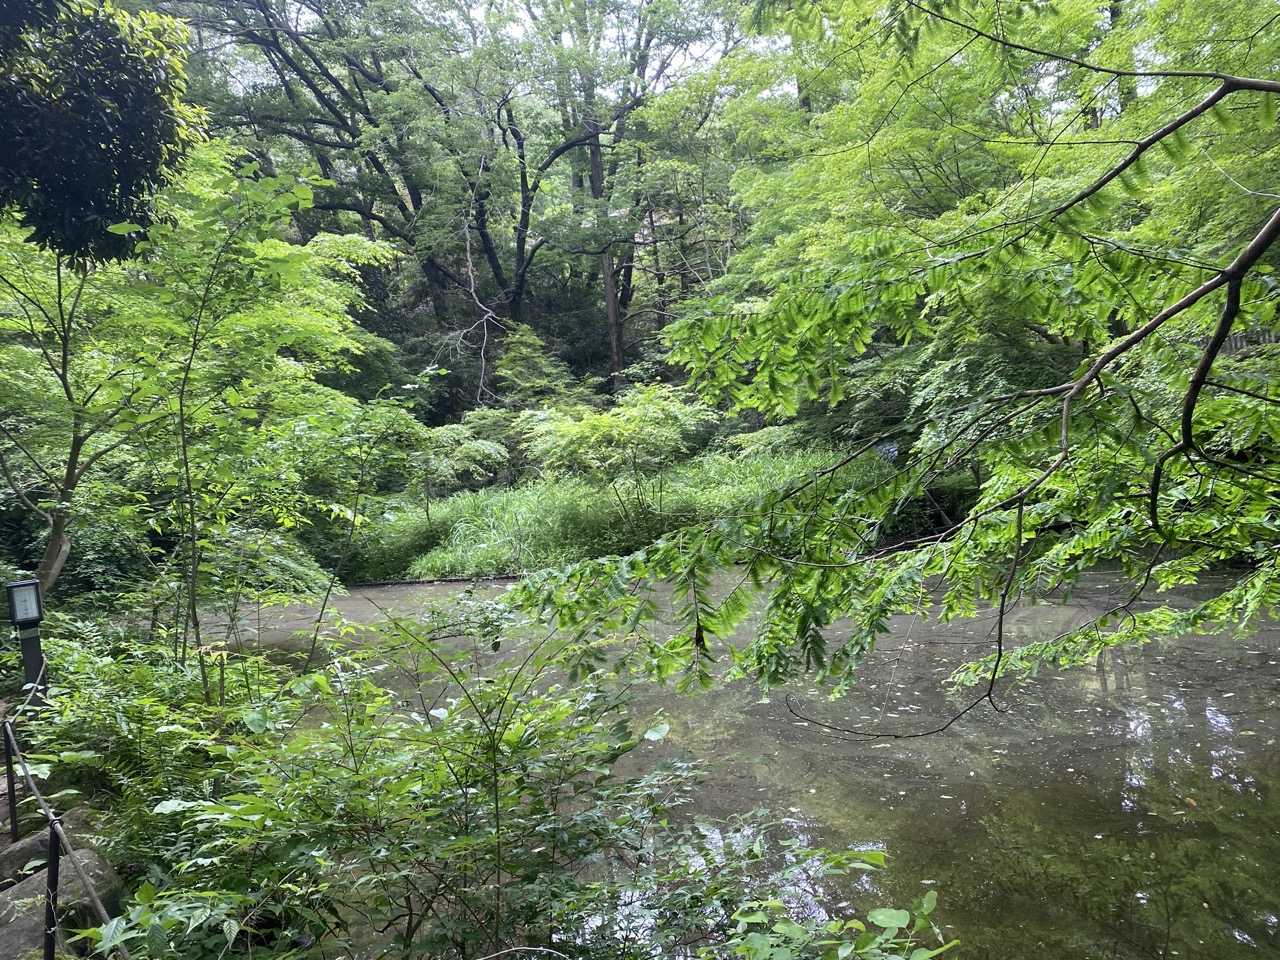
(26, 610)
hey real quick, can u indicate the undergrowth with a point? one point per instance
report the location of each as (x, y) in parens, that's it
(550, 521)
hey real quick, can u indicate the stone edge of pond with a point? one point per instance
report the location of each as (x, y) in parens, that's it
(495, 578)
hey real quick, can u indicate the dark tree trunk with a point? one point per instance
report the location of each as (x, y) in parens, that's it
(56, 552)
(609, 283)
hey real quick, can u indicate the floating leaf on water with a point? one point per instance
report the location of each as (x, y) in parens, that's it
(657, 731)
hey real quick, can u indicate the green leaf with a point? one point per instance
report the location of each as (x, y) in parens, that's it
(1267, 109)
(157, 940)
(174, 806)
(889, 919)
(923, 953)
(789, 928)
(73, 756)
(657, 731)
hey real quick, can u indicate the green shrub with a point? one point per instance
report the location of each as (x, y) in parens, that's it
(530, 376)
(417, 799)
(766, 441)
(648, 429)
(395, 531)
(131, 725)
(546, 523)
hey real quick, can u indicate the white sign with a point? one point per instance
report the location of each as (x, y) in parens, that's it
(24, 602)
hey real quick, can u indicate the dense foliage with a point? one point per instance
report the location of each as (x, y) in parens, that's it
(167, 397)
(883, 306)
(95, 121)
(1037, 248)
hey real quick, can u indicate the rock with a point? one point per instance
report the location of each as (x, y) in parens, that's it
(22, 918)
(76, 823)
(22, 905)
(17, 855)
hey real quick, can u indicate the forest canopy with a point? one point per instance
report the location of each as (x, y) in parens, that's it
(1032, 242)
(796, 316)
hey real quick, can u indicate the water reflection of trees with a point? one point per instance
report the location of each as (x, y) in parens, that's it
(1061, 829)
(1176, 858)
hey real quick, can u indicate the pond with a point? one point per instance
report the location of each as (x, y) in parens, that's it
(1129, 809)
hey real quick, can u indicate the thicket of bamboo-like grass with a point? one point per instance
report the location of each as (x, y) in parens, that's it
(546, 521)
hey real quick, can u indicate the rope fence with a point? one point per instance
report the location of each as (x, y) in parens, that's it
(60, 847)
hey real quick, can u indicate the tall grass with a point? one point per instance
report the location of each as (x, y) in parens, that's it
(539, 524)
(545, 522)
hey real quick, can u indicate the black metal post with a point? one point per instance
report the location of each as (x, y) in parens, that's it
(33, 662)
(51, 892)
(10, 782)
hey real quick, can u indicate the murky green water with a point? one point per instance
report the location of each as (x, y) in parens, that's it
(1126, 811)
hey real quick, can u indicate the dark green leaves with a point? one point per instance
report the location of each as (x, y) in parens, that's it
(94, 123)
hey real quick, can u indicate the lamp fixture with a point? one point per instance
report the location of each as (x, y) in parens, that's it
(26, 603)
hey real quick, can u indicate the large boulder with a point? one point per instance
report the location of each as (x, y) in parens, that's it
(22, 905)
(33, 850)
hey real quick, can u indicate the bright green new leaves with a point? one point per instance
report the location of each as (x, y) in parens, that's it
(920, 194)
(167, 380)
(647, 429)
(1031, 253)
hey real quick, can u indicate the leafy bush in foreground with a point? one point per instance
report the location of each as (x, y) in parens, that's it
(419, 799)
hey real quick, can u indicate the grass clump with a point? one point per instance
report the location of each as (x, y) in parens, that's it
(547, 522)
(511, 530)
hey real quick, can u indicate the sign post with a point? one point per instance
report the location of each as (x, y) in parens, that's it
(26, 610)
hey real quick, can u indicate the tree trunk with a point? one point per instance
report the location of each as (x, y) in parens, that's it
(56, 552)
(613, 315)
(612, 308)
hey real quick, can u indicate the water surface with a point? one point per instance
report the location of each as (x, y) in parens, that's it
(1123, 810)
